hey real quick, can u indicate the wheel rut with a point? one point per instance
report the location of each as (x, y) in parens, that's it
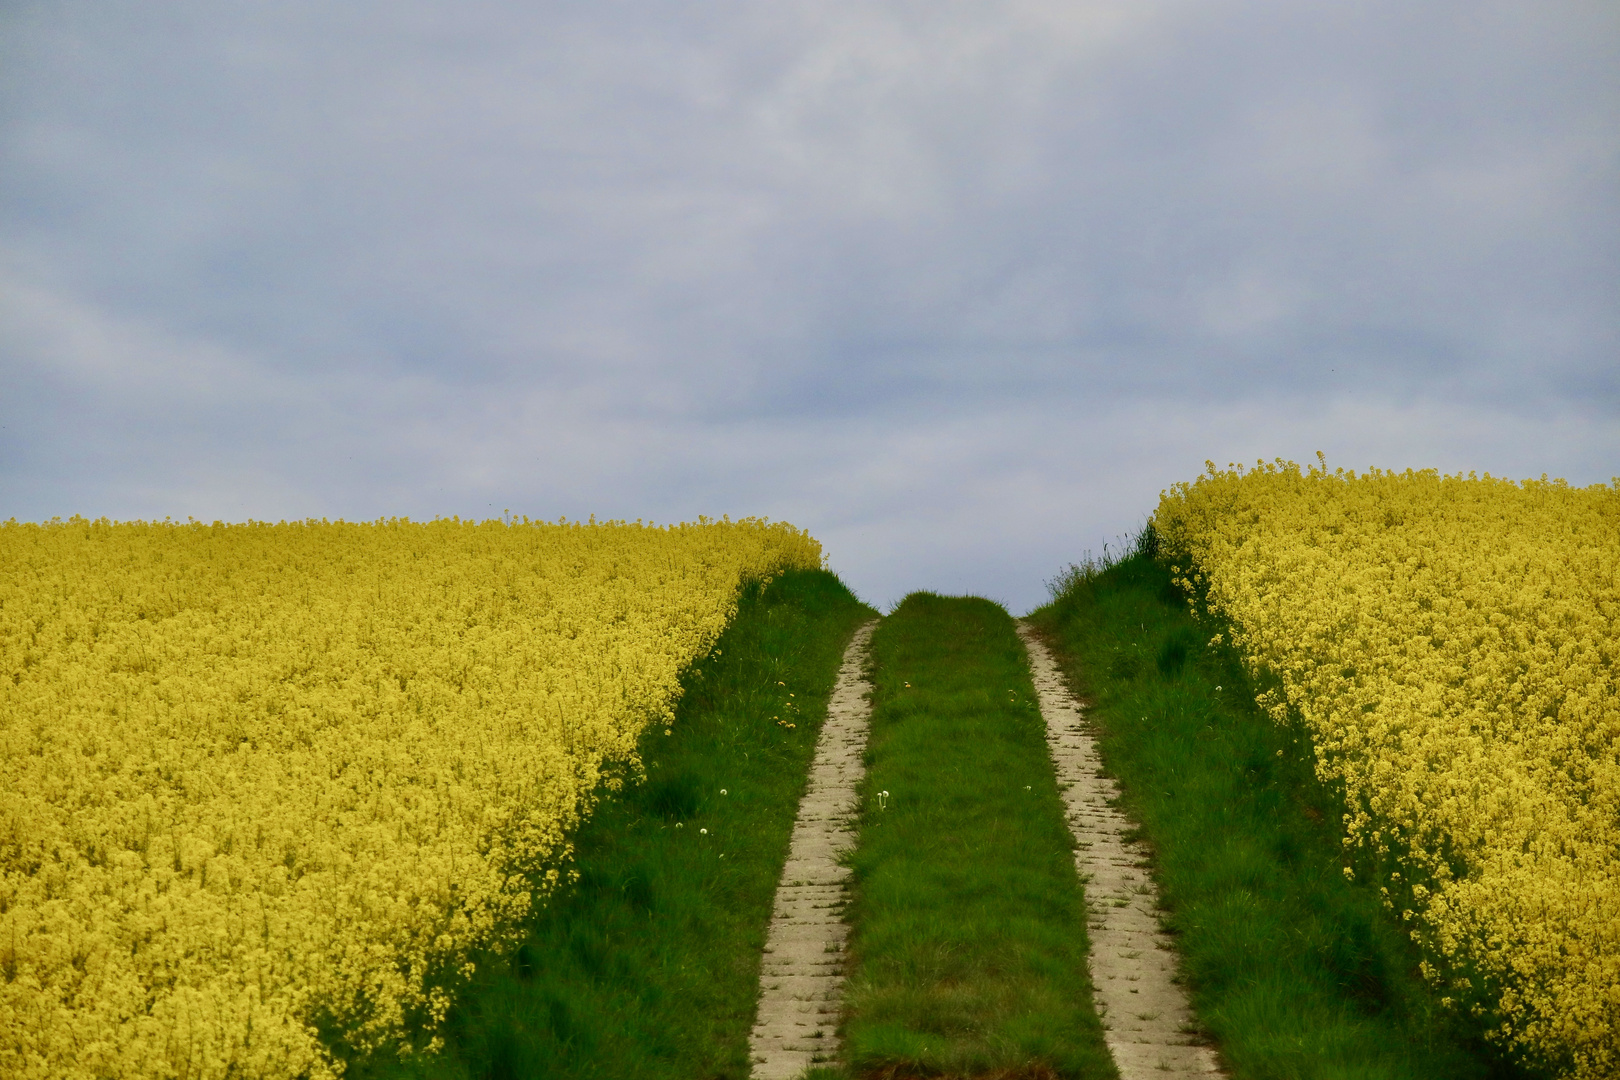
(1148, 1022)
(801, 977)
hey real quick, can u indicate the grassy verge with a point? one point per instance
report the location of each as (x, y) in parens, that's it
(968, 948)
(648, 966)
(1295, 970)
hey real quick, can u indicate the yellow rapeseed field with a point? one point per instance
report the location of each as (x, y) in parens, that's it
(1452, 645)
(259, 781)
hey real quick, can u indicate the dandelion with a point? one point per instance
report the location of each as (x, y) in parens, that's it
(722, 791)
(703, 832)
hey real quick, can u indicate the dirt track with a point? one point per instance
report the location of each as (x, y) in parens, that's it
(1145, 1014)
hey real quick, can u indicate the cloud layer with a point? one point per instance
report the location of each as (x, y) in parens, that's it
(960, 287)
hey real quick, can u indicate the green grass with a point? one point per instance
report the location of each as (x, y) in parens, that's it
(968, 948)
(1296, 971)
(648, 966)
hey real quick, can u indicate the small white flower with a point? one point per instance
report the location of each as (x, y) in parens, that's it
(722, 791)
(705, 832)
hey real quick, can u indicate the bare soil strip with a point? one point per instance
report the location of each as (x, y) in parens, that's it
(1146, 1017)
(801, 978)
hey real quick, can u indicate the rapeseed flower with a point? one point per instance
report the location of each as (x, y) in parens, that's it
(259, 777)
(1452, 646)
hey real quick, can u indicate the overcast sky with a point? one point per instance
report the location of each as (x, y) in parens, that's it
(959, 287)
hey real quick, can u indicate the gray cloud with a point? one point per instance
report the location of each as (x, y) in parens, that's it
(959, 287)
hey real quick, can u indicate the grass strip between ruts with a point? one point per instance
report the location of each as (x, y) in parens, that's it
(648, 965)
(1296, 971)
(968, 942)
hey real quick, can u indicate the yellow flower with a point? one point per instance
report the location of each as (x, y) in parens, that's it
(252, 773)
(1450, 645)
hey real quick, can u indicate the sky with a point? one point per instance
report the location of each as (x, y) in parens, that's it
(958, 287)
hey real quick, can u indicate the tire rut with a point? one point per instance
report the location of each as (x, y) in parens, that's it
(801, 977)
(1147, 1020)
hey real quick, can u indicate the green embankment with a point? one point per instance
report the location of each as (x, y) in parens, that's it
(1296, 971)
(648, 966)
(968, 946)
